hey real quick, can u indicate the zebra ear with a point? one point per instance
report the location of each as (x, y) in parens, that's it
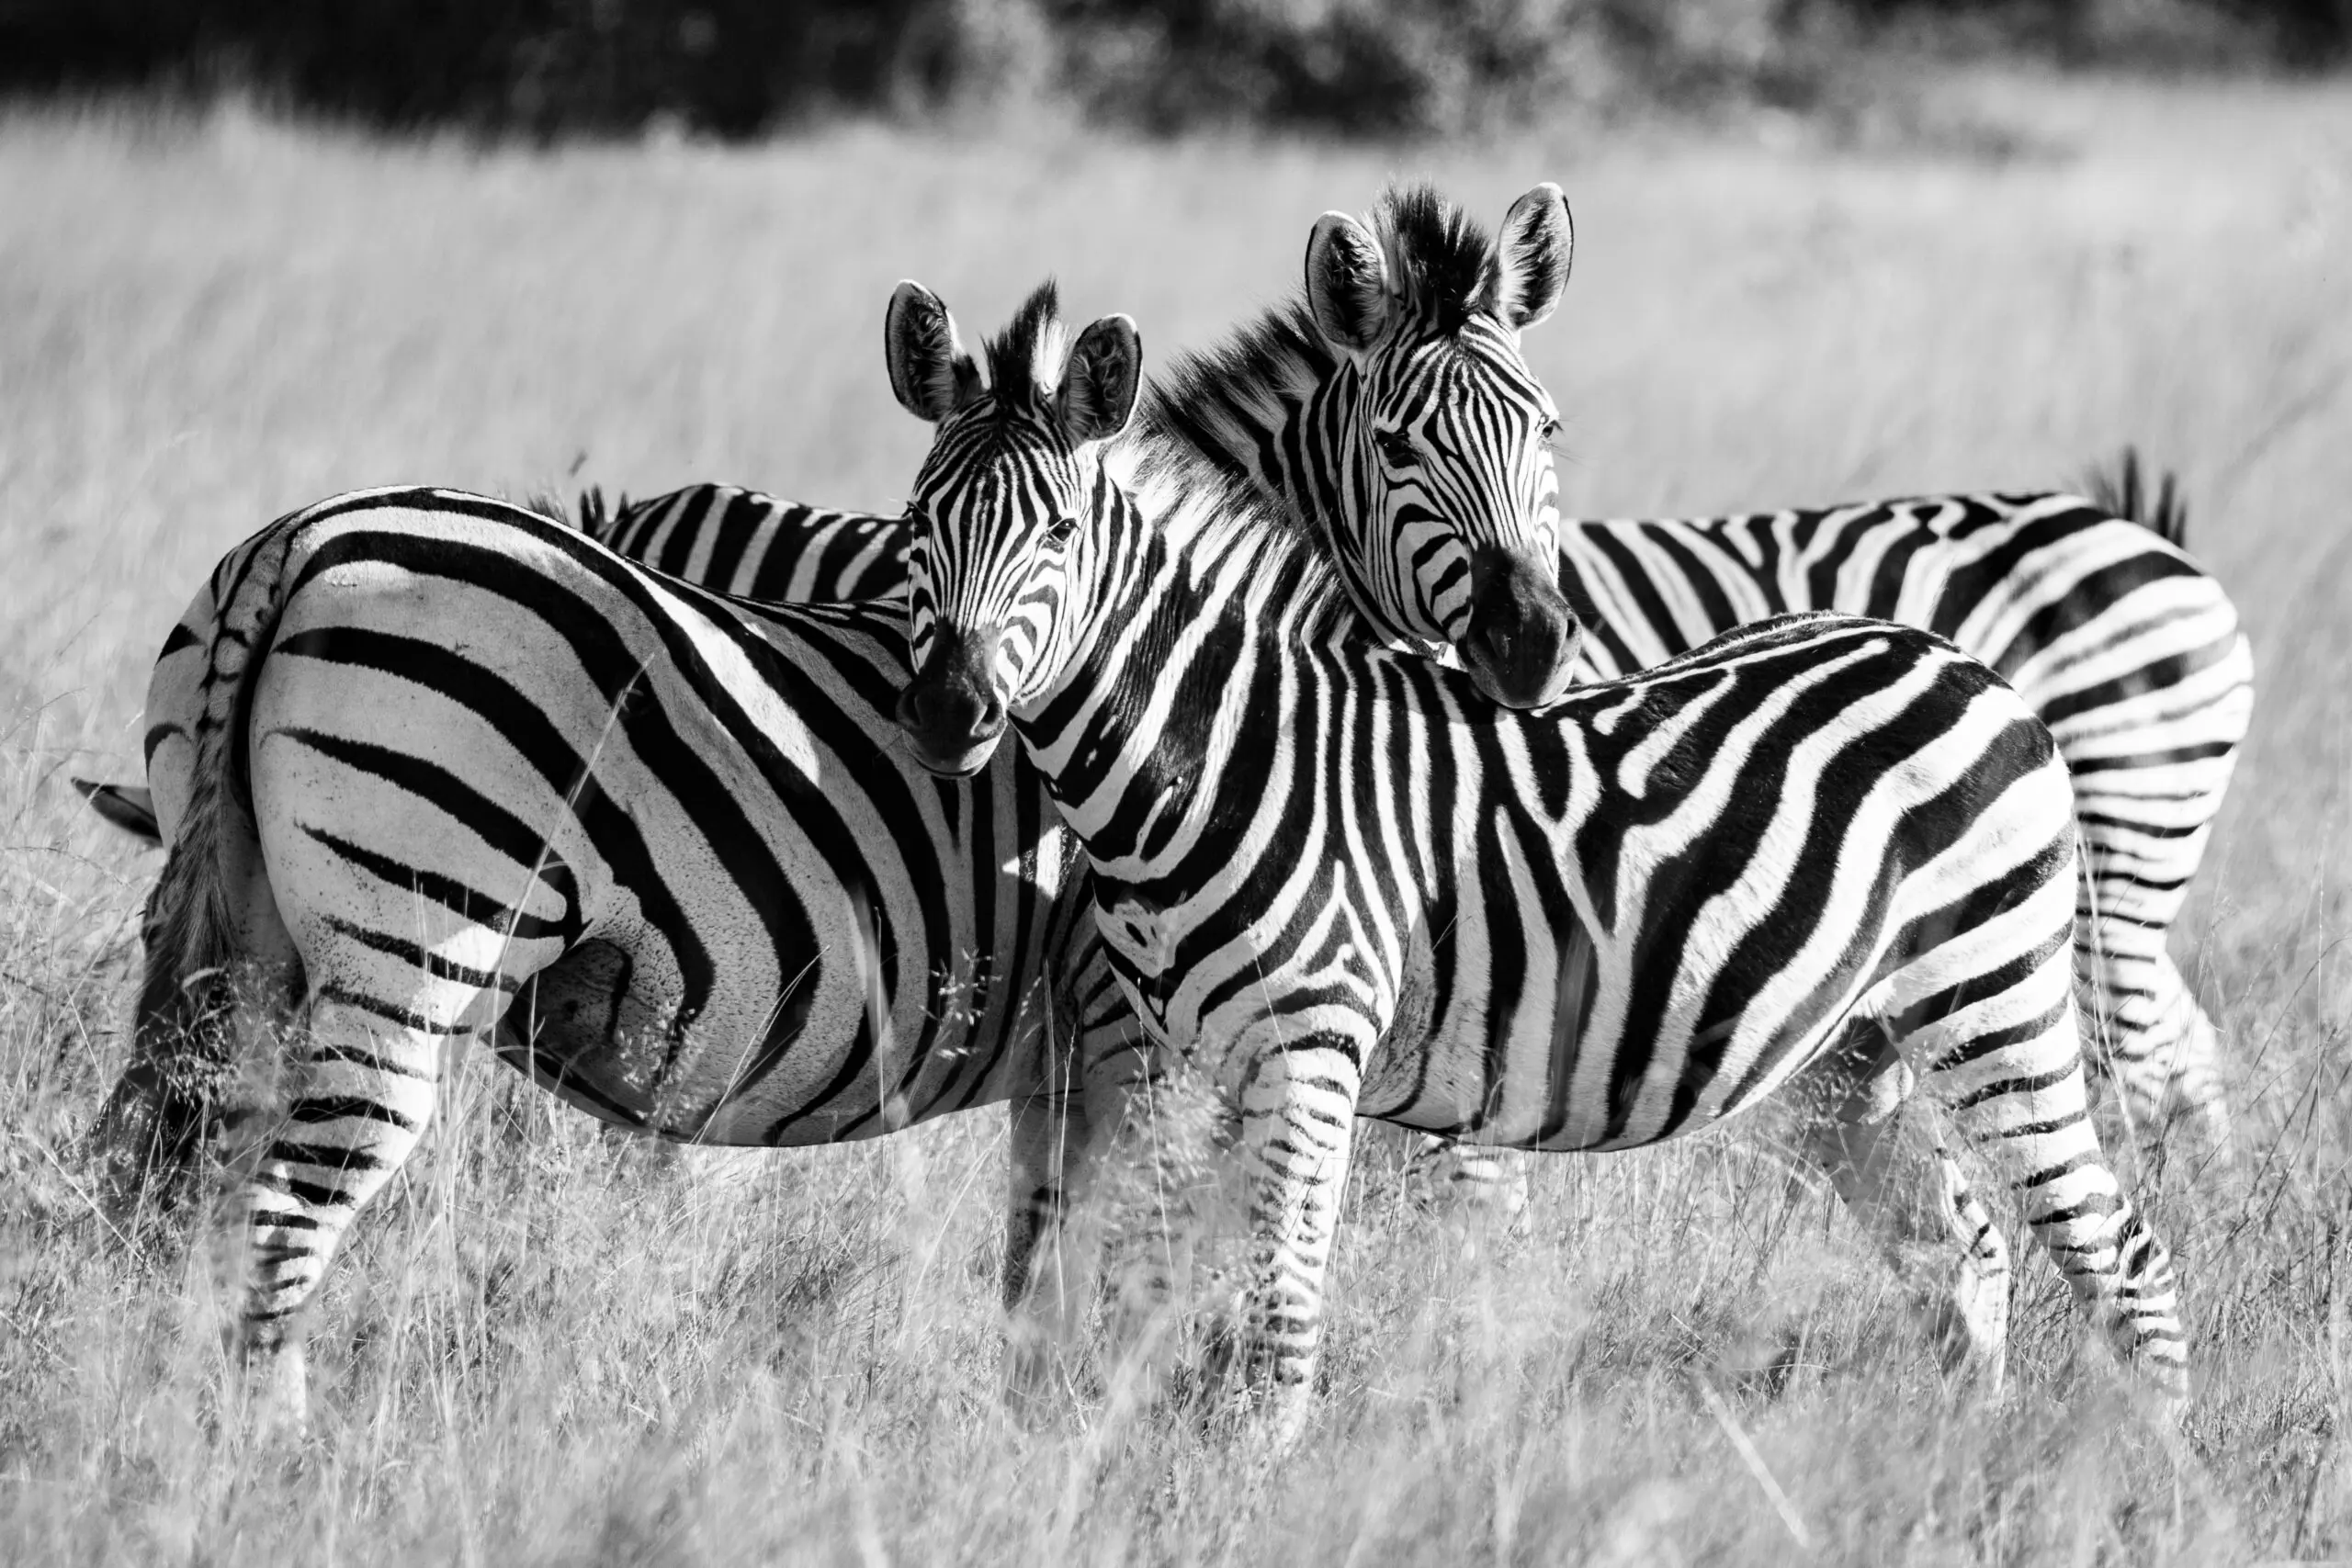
(1347, 282)
(1529, 270)
(1098, 387)
(929, 371)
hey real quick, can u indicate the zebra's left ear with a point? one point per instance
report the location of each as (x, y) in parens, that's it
(1100, 382)
(930, 372)
(1529, 270)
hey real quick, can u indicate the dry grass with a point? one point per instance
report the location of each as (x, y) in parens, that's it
(537, 1351)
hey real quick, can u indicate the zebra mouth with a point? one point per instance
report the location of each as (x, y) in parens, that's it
(952, 764)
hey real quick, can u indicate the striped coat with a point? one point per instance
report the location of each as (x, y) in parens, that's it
(430, 766)
(1820, 855)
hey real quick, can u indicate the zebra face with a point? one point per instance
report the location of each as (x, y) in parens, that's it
(1000, 503)
(1448, 527)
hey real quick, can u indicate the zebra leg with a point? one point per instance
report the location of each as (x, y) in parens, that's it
(1885, 1156)
(1298, 1104)
(2145, 818)
(1048, 1158)
(2193, 1089)
(1999, 1044)
(1141, 1173)
(1477, 1180)
(363, 1092)
(2163, 1053)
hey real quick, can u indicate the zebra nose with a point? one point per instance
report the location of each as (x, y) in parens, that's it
(1521, 644)
(950, 711)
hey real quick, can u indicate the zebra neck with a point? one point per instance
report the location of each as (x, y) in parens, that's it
(1324, 494)
(1188, 601)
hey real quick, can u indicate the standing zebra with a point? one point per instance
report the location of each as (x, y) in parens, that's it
(2128, 651)
(1819, 852)
(1419, 445)
(430, 765)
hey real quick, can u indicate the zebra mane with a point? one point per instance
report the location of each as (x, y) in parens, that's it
(1226, 399)
(1204, 507)
(1025, 360)
(1223, 405)
(544, 502)
(1224, 402)
(1439, 256)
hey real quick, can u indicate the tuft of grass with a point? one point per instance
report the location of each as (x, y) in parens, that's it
(544, 1344)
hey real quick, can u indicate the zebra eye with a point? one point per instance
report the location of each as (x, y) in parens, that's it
(1058, 531)
(1396, 448)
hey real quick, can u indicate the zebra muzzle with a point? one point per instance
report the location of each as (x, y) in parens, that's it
(950, 710)
(1521, 638)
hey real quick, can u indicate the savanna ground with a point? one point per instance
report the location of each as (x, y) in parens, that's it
(536, 1350)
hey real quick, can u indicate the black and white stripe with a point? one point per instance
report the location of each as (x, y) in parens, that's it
(1820, 852)
(432, 766)
(2124, 647)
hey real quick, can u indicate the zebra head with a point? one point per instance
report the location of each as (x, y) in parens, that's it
(1445, 525)
(998, 503)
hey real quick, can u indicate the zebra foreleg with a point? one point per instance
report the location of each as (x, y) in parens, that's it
(1048, 1173)
(362, 1093)
(1298, 1104)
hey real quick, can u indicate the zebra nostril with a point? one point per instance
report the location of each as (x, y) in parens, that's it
(1499, 640)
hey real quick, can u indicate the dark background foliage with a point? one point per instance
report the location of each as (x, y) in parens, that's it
(737, 67)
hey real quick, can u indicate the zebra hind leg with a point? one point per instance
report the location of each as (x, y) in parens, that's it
(2168, 1070)
(1475, 1181)
(1884, 1154)
(363, 1091)
(2009, 1064)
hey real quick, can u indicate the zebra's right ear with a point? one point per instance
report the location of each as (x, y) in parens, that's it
(929, 371)
(1347, 282)
(1098, 387)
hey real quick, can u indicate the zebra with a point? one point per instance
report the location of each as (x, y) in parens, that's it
(431, 765)
(2045, 587)
(2090, 605)
(2128, 650)
(1820, 852)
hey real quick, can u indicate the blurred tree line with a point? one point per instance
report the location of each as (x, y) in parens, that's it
(739, 67)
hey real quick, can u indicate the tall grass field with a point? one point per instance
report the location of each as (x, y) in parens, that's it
(543, 1346)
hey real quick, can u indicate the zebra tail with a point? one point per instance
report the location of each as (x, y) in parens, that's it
(2120, 492)
(195, 931)
(130, 807)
